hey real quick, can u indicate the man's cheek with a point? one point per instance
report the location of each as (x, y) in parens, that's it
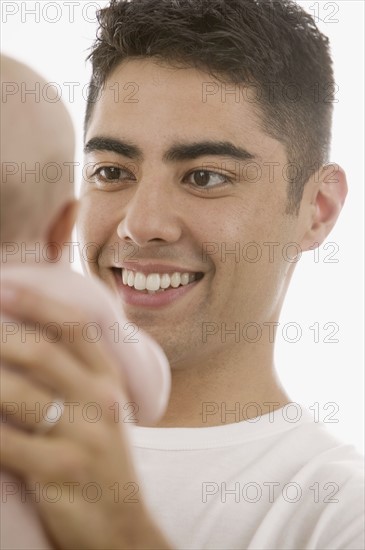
(89, 223)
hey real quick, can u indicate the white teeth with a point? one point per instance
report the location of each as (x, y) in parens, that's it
(130, 280)
(139, 281)
(165, 281)
(175, 280)
(154, 281)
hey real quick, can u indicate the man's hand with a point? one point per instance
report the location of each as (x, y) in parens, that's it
(81, 469)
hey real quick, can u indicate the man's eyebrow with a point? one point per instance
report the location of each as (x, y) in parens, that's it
(177, 152)
(187, 151)
(114, 146)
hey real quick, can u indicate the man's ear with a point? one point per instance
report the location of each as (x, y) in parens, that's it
(61, 229)
(326, 199)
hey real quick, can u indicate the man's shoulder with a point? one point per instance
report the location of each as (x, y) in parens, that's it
(311, 448)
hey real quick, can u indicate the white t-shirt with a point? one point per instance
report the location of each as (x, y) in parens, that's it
(265, 484)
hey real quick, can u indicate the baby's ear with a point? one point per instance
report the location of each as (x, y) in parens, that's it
(61, 228)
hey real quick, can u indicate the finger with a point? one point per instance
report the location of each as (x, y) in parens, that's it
(23, 403)
(48, 364)
(92, 405)
(33, 455)
(66, 323)
(57, 456)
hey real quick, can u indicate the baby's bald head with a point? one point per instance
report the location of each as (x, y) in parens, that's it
(36, 136)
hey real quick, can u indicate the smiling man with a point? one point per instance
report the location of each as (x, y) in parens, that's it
(166, 177)
(206, 146)
(186, 171)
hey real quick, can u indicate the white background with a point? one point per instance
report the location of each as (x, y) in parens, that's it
(54, 40)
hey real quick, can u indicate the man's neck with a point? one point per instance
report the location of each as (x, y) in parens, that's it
(225, 390)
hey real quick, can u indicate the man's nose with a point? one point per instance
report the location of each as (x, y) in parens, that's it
(151, 214)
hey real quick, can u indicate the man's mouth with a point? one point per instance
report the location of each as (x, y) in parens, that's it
(154, 283)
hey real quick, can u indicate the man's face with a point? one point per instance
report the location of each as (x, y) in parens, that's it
(157, 212)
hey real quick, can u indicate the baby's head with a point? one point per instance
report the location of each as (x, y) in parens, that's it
(37, 149)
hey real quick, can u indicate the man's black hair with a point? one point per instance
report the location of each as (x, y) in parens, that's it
(271, 47)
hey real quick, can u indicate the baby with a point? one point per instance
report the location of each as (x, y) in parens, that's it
(38, 208)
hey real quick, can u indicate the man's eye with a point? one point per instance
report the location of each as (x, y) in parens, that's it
(111, 174)
(206, 179)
